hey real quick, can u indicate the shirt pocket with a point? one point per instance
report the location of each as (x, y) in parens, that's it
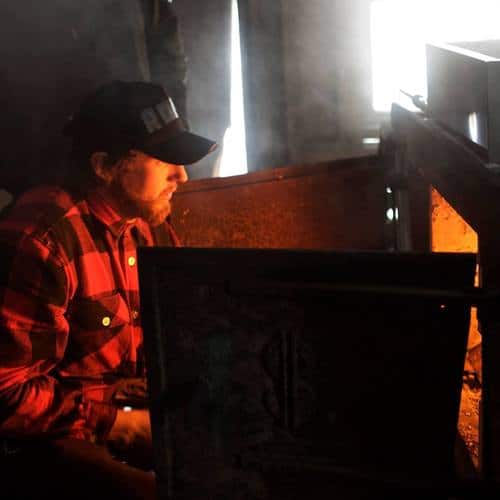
(107, 311)
(99, 336)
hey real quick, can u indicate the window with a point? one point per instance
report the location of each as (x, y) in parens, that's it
(234, 156)
(400, 29)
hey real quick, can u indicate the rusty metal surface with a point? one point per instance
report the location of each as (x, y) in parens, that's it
(337, 205)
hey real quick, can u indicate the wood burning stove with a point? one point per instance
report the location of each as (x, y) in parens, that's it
(279, 374)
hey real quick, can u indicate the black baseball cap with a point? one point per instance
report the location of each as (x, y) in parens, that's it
(120, 116)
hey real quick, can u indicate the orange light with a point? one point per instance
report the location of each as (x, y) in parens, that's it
(450, 233)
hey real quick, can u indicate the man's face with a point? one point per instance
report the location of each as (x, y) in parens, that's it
(143, 186)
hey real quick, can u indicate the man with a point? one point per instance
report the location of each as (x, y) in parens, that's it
(71, 345)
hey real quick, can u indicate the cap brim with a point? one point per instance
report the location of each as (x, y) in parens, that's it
(183, 149)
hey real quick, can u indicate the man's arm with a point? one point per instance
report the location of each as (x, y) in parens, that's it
(34, 295)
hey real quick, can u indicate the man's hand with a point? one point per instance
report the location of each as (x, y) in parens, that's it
(131, 392)
(130, 437)
(131, 429)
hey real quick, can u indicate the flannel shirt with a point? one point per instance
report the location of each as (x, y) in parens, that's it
(70, 326)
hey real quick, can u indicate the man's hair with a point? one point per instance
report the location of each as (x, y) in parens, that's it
(80, 176)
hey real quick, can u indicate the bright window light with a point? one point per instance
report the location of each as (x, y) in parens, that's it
(401, 28)
(234, 155)
(371, 141)
(473, 127)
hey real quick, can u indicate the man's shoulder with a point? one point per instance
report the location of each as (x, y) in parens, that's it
(40, 209)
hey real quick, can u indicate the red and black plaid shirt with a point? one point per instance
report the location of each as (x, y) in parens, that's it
(69, 312)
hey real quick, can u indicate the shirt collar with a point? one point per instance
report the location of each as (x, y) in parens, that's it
(100, 207)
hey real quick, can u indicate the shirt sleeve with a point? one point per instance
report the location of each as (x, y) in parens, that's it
(34, 295)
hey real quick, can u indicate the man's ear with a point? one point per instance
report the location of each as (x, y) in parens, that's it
(102, 171)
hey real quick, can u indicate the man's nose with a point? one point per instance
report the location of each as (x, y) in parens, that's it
(179, 174)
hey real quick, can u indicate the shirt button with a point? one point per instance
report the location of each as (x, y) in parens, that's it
(135, 314)
(106, 321)
(131, 261)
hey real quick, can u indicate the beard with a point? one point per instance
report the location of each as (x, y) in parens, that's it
(154, 212)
